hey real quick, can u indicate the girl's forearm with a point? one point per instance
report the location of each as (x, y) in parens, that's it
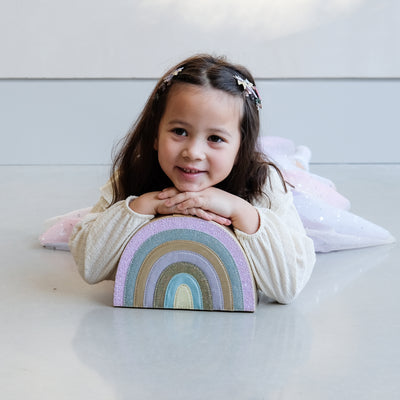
(245, 217)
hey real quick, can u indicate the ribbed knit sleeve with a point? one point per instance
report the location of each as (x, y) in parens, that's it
(280, 254)
(98, 241)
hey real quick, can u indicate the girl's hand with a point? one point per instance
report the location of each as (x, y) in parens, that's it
(214, 204)
(154, 203)
(172, 204)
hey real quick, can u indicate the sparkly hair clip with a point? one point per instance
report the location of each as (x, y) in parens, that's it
(250, 90)
(167, 80)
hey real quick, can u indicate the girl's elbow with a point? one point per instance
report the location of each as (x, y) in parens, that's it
(85, 267)
(88, 276)
(295, 286)
(288, 296)
(92, 270)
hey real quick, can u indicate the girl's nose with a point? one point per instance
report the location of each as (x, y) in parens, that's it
(193, 151)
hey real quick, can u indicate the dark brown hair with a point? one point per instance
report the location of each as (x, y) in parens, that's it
(136, 169)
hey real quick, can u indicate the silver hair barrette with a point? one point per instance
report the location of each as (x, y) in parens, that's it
(250, 90)
(167, 80)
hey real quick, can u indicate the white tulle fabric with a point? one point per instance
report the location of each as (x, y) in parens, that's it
(325, 213)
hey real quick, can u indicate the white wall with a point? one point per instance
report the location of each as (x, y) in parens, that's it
(72, 72)
(141, 38)
(78, 121)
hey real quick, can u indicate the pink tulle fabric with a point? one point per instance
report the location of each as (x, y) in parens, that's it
(58, 229)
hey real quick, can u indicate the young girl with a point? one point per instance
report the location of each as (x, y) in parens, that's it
(193, 150)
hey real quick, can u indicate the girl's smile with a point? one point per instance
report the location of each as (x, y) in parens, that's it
(190, 173)
(199, 136)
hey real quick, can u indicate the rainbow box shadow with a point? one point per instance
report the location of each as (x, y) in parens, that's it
(182, 262)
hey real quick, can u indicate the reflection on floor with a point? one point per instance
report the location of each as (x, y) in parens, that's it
(61, 338)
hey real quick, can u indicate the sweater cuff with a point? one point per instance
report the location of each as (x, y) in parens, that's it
(143, 216)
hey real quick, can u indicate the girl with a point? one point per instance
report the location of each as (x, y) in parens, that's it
(193, 150)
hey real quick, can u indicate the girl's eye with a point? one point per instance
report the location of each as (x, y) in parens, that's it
(215, 139)
(179, 131)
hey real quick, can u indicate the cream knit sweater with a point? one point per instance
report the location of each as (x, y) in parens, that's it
(280, 254)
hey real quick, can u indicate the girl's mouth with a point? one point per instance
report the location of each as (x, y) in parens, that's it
(190, 170)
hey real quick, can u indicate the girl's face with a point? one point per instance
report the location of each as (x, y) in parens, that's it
(198, 136)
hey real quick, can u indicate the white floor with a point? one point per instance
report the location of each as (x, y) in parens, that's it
(62, 339)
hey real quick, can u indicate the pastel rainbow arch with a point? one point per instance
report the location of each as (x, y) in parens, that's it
(184, 262)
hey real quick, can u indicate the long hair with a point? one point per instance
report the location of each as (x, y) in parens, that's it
(136, 169)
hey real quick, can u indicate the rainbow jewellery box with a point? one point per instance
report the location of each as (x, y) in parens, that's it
(184, 262)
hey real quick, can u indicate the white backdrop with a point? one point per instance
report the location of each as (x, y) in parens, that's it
(141, 38)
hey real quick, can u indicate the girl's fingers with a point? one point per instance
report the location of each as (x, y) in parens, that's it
(208, 216)
(222, 220)
(182, 200)
(190, 200)
(198, 212)
(168, 193)
(189, 203)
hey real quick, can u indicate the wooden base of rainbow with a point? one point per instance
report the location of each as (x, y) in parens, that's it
(184, 262)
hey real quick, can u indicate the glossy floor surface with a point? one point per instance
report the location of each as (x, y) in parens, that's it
(62, 339)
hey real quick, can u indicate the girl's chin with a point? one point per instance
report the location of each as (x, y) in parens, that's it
(189, 188)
